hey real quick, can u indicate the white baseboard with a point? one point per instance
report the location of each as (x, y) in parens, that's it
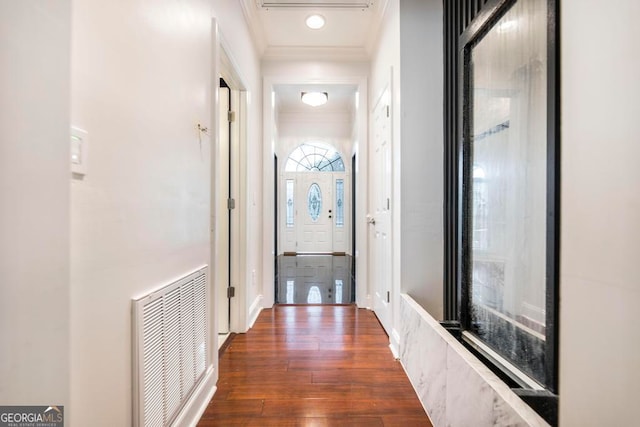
(254, 311)
(196, 405)
(394, 343)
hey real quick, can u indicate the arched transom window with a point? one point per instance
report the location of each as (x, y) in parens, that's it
(314, 156)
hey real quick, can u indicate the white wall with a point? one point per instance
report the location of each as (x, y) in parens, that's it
(385, 73)
(600, 290)
(385, 57)
(34, 200)
(236, 39)
(421, 152)
(334, 129)
(141, 81)
(314, 125)
(409, 54)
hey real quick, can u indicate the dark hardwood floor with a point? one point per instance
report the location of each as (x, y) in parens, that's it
(313, 366)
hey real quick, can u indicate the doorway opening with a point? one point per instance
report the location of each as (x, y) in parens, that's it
(330, 135)
(314, 247)
(229, 203)
(314, 202)
(228, 221)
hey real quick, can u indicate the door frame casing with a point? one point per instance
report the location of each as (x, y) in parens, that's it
(384, 309)
(225, 67)
(222, 273)
(363, 298)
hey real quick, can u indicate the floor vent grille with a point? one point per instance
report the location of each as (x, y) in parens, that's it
(170, 348)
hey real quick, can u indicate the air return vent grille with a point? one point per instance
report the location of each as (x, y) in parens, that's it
(170, 346)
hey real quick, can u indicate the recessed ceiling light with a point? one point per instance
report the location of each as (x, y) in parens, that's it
(314, 99)
(315, 22)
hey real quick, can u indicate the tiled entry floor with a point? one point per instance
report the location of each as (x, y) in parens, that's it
(314, 279)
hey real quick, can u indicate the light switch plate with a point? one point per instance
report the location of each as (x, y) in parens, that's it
(79, 150)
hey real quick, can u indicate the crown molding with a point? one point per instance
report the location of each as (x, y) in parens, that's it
(292, 4)
(250, 12)
(373, 37)
(338, 53)
(337, 116)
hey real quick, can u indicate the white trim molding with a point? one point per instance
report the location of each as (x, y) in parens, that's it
(197, 403)
(285, 53)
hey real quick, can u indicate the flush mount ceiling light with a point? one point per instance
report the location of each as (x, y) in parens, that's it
(506, 26)
(315, 22)
(314, 99)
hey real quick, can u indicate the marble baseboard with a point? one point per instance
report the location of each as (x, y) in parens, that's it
(455, 388)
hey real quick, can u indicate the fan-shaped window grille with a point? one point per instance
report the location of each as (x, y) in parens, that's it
(314, 156)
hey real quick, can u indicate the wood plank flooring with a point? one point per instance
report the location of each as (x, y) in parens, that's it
(313, 366)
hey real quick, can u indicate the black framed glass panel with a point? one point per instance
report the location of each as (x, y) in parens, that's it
(507, 262)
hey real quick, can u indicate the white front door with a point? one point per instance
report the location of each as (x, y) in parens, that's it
(380, 211)
(315, 212)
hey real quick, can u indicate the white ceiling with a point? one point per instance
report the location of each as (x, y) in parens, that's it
(281, 33)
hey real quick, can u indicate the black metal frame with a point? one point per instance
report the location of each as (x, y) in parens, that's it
(353, 226)
(458, 14)
(466, 21)
(275, 226)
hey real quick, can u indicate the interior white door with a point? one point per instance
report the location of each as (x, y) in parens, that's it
(314, 206)
(222, 186)
(380, 211)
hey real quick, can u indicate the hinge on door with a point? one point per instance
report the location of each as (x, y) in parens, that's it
(231, 204)
(231, 292)
(388, 297)
(387, 111)
(388, 204)
(231, 116)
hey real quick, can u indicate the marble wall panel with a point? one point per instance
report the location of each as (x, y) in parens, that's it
(455, 388)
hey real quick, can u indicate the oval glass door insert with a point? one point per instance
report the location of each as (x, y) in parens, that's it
(314, 201)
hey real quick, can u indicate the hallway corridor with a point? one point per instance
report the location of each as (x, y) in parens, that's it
(313, 366)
